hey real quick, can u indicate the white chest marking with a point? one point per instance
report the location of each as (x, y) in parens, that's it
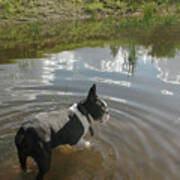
(81, 117)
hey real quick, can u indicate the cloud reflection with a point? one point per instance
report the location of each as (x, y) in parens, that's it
(98, 59)
(169, 69)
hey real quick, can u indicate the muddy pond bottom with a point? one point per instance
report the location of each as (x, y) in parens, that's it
(141, 141)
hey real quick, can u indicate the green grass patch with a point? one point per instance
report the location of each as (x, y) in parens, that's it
(148, 12)
(15, 6)
(97, 6)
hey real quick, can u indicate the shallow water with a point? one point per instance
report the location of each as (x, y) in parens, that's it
(140, 141)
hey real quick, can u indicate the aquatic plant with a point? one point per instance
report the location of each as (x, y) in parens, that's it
(169, 19)
(34, 29)
(132, 56)
(23, 64)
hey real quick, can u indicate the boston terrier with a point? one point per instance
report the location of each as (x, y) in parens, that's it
(39, 135)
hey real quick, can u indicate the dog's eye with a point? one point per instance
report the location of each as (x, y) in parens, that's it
(102, 104)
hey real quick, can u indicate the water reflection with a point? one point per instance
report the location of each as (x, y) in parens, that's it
(15, 43)
(166, 92)
(169, 69)
(102, 60)
(95, 64)
(163, 41)
(141, 141)
(97, 59)
(112, 65)
(120, 63)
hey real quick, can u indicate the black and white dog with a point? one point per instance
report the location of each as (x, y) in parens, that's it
(37, 137)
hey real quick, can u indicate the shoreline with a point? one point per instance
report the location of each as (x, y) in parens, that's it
(31, 39)
(46, 11)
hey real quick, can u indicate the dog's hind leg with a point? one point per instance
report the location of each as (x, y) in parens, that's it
(21, 148)
(44, 166)
(22, 160)
(43, 160)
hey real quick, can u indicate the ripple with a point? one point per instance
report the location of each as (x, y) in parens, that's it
(138, 135)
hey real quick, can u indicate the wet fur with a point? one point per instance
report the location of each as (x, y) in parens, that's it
(37, 138)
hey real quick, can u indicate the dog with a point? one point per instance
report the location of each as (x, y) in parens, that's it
(38, 136)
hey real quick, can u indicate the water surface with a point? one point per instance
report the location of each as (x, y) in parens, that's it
(141, 139)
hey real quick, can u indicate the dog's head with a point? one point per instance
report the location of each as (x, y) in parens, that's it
(96, 106)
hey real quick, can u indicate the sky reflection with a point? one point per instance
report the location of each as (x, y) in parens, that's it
(102, 60)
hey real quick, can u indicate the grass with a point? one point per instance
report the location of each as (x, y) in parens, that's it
(148, 12)
(96, 6)
(28, 10)
(14, 7)
(132, 12)
(94, 9)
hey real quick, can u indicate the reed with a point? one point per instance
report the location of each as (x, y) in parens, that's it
(34, 29)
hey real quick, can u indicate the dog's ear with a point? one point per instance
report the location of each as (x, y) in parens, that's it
(92, 93)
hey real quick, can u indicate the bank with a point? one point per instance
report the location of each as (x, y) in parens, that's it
(56, 26)
(26, 11)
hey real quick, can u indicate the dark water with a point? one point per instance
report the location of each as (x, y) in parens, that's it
(140, 141)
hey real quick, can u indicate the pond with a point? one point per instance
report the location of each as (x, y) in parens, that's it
(142, 138)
